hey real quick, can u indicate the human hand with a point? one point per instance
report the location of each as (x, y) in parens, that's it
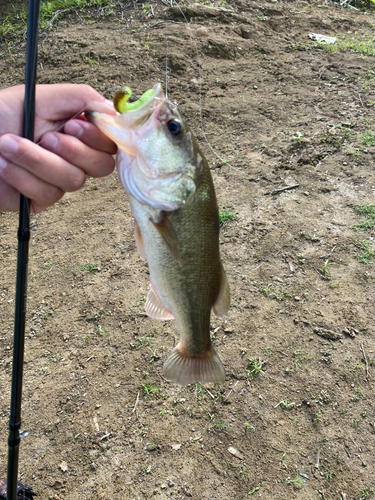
(66, 152)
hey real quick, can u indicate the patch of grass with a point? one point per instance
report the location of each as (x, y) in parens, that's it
(141, 342)
(89, 267)
(84, 267)
(300, 357)
(365, 45)
(363, 225)
(366, 256)
(336, 137)
(367, 493)
(368, 210)
(297, 482)
(241, 470)
(299, 138)
(14, 23)
(270, 292)
(286, 405)
(328, 474)
(225, 215)
(148, 389)
(89, 59)
(368, 138)
(101, 331)
(254, 490)
(254, 367)
(324, 270)
(221, 425)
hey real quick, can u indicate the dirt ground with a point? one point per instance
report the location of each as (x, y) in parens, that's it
(295, 418)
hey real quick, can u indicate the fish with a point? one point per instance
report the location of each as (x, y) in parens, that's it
(176, 218)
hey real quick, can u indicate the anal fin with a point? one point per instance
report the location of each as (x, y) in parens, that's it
(168, 234)
(185, 368)
(222, 301)
(154, 308)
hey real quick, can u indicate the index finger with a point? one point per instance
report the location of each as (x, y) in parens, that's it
(59, 102)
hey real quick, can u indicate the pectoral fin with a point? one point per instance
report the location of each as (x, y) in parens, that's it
(154, 308)
(222, 301)
(168, 234)
(139, 241)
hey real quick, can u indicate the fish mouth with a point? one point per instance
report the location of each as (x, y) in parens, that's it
(138, 116)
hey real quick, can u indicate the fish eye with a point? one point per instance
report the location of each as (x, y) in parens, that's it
(175, 127)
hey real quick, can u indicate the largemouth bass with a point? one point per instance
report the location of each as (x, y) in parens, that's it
(172, 196)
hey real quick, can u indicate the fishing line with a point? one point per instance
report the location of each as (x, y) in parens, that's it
(200, 74)
(166, 63)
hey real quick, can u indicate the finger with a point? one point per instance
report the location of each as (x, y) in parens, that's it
(92, 162)
(48, 167)
(9, 197)
(62, 101)
(41, 194)
(89, 134)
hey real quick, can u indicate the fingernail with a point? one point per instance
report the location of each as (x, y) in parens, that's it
(8, 145)
(3, 163)
(73, 128)
(49, 141)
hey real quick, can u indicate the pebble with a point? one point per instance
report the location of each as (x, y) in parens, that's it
(297, 298)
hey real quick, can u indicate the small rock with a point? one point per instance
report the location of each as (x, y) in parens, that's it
(255, 87)
(327, 334)
(63, 466)
(186, 492)
(236, 453)
(297, 298)
(176, 446)
(164, 486)
(352, 332)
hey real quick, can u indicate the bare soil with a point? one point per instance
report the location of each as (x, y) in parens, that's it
(297, 408)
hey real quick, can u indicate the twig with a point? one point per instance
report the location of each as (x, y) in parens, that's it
(277, 191)
(212, 396)
(317, 460)
(278, 404)
(320, 274)
(105, 436)
(229, 393)
(331, 252)
(135, 406)
(365, 358)
(283, 353)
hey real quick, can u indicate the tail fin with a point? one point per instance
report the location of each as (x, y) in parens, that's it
(185, 368)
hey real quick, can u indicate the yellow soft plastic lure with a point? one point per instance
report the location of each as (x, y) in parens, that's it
(120, 99)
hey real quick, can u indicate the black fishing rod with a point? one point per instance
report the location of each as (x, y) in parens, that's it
(22, 261)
